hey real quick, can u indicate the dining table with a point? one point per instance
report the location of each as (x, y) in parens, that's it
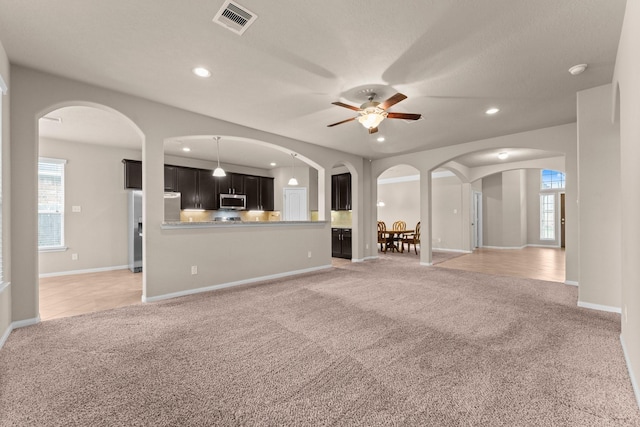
(392, 237)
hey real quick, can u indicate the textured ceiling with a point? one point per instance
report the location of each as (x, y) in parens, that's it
(453, 59)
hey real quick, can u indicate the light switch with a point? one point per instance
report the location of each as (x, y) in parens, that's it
(75, 209)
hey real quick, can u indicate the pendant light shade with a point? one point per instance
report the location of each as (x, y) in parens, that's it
(218, 171)
(293, 180)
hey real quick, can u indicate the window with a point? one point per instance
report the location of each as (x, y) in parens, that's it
(551, 180)
(548, 216)
(3, 91)
(50, 204)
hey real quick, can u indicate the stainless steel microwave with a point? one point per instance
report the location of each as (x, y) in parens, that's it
(236, 202)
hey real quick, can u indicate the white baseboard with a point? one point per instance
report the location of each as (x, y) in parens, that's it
(231, 284)
(571, 283)
(505, 247)
(357, 259)
(369, 258)
(462, 251)
(16, 325)
(427, 264)
(634, 383)
(89, 270)
(599, 307)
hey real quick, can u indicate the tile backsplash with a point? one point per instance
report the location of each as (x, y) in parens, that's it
(341, 219)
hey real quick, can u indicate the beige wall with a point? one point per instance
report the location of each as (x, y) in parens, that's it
(402, 202)
(626, 82)
(268, 251)
(448, 213)
(599, 195)
(514, 209)
(94, 180)
(492, 210)
(5, 287)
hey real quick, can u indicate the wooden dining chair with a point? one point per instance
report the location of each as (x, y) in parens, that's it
(397, 237)
(382, 236)
(412, 239)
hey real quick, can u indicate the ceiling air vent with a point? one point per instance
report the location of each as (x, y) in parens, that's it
(234, 17)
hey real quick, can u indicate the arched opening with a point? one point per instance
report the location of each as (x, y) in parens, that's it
(83, 208)
(345, 209)
(279, 184)
(398, 209)
(514, 213)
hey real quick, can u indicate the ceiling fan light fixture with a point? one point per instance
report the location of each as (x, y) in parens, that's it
(371, 117)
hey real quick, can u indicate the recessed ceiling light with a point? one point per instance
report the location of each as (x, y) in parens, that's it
(201, 72)
(272, 163)
(577, 69)
(186, 149)
(380, 139)
(492, 110)
(503, 155)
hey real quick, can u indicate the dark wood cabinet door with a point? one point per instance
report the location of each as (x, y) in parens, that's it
(267, 193)
(341, 192)
(237, 183)
(170, 178)
(344, 191)
(336, 243)
(132, 174)
(187, 185)
(251, 187)
(207, 190)
(346, 243)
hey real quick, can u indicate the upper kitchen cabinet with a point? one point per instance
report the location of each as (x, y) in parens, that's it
(341, 192)
(170, 178)
(132, 174)
(260, 192)
(207, 190)
(187, 185)
(233, 183)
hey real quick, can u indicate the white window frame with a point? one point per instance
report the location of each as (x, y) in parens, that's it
(553, 196)
(3, 91)
(60, 246)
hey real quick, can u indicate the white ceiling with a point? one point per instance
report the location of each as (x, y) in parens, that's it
(452, 59)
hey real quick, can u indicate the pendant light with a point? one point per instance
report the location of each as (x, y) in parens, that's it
(218, 171)
(293, 180)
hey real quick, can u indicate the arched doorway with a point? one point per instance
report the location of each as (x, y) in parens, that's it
(82, 210)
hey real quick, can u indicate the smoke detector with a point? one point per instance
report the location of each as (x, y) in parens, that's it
(234, 17)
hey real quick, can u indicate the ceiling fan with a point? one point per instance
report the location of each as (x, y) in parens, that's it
(372, 113)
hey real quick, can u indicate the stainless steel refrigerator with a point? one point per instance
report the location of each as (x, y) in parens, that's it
(135, 231)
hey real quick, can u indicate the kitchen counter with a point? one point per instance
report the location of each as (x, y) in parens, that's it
(228, 224)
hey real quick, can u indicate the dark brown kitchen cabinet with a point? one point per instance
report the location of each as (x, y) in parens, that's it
(207, 190)
(233, 183)
(170, 178)
(260, 193)
(187, 186)
(132, 174)
(341, 243)
(341, 192)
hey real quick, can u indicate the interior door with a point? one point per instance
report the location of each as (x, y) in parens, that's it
(295, 204)
(562, 220)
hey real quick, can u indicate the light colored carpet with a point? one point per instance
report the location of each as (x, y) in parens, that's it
(384, 342)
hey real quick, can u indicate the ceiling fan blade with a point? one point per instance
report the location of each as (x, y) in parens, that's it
(392, 101)
(351, 107)
(373, 130)
(344, 121)
(405, 116)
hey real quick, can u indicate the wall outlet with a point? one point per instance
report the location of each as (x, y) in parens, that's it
(194, 269)
(76, 209)
(309, 254)
(74, 257)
